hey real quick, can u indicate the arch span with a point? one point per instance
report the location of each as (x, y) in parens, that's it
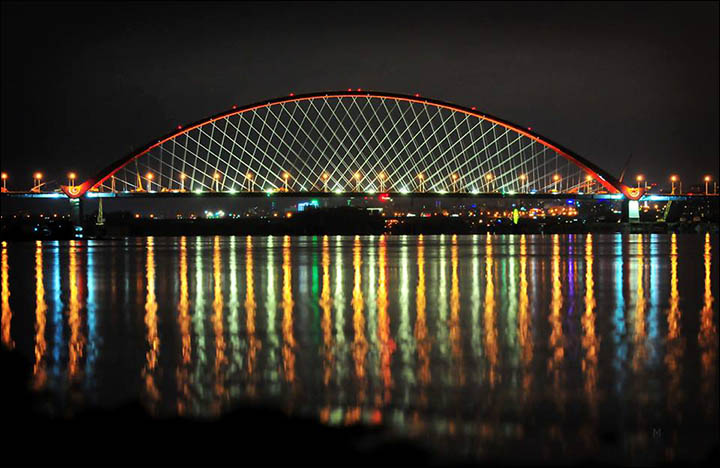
(353, 140)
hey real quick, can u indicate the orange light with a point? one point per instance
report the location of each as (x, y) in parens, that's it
(38, 175)
(183, 176)
(71, 176)
(216, 176)
(489, 177)
(556, 177)
(421, 176)
(673, 178)
(588, 178)
(325, 176)
(639, 177)
(381, 175)
(357, 175)
(286, 176)
(707, 178)
(523, 177)
(4, 176)
(149, 175)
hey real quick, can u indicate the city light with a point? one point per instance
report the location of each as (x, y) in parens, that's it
(673, 179)
(4, 181)
(707, 184)
(71, 179)
(149, 176)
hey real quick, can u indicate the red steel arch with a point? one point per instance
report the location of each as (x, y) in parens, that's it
(612, 184)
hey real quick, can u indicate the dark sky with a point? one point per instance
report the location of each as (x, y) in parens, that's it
(84, 83)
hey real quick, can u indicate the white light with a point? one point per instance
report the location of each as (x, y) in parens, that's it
(338, 191)
(441, 191)
(198, 191)
(404, 190)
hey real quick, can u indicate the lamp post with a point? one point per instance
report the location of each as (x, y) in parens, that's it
(286, 178)
(589, 180)
(4, 180)
(422, 181)
(325, 178)
(381, 176)
(37, 177)
(182, 182)
(149, 177)
(454, 178)
(71, 179)
(523, 178)
(249, 177)
(216, 181)
(673, 179)
(707, 182)
(556, 179)
(489, 178)
(639, 179)
(357, 181)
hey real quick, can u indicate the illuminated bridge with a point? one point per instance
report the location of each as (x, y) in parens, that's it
(352, 141)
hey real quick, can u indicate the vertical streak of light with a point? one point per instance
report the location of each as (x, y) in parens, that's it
(360, 346)
(640, 304)
(92, 335)
(675, 343)
(288, 351)
(326, 306)
(151, 356)
(39, 374)
(184, 323)
(198, 319)
(442, 332)
(476, 336)
(233, 348)
(387, 345)
(556, 333)
(339, 302)
(405, 337)
(271, 309)
(620, 328)
(76, 345)
(524, 332)
(6, 311)
(250, 309)
(454, 322)
(57, 313)
(589, 340)
(707, 336)
(421, 331)
(217, 320)
(491, 346)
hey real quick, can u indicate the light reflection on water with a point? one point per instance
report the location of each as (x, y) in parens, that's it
(460, 339)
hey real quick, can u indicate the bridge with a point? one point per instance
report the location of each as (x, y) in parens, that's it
(349, 143)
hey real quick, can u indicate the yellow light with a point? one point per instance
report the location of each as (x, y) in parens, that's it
(325, 176)
(639, 177)
(588, 178)
(38, 175)
(673, 178)
(556, 177)
(707, 178)
(357, 175)
(489, 177)
(4, 176)
(149, 175)
(286, 176)
(71, 176)
(249, 175)
(381, 175)
(523, 177)
(216, 176)
(421, 176)
(182, 176)
(455, 176)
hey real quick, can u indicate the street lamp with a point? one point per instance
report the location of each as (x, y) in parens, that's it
(149, 177)
(4, 180)
(381, 176)
(249, 177)
(357, 181)
(556, 179)
(37, 177)
(216, 181)
(422, 182)
(639, 179)
(707, 182)
(589, 180)
(489, 178)
(325, 178)
(673, 179)
(182, 181)
(523, 178)
(286, 177)
(71, 179)
(454, 182)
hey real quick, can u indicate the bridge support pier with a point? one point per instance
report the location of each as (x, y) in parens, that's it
(630, 211)
(76, 211)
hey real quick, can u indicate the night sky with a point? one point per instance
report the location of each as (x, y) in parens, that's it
(83, 84)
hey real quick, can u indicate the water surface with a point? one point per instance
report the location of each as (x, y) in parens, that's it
(511, 347)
